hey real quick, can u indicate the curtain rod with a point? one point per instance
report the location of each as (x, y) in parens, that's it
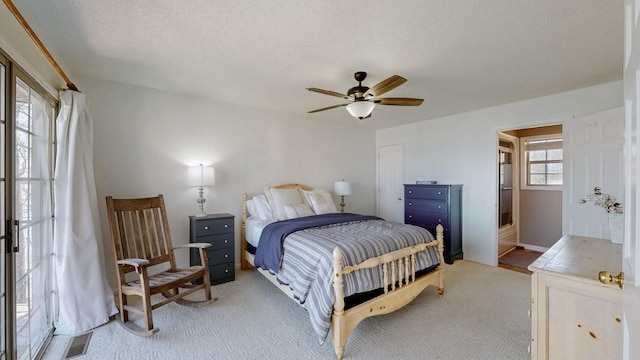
(39, 43)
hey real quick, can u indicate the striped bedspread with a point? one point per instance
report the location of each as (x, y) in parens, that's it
(307, 263)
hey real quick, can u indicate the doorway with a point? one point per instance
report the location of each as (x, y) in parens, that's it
(529, 188)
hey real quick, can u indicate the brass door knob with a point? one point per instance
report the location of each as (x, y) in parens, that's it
(607, 278)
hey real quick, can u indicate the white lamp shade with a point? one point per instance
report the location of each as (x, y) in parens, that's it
(342, 188)
(201, 176)
(360, 109)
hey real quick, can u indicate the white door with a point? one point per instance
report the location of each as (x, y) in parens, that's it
(390, 204)
(593, 148)
(631, 252)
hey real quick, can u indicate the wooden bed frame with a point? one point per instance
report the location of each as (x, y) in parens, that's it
(344, 321)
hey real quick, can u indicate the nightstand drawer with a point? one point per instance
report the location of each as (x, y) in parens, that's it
(439, 206)
(221, 271)
(422, 192)
(220, 241)
(220, 256)
(213, 226)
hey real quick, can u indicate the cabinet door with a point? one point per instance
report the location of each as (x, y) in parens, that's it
(584, 321)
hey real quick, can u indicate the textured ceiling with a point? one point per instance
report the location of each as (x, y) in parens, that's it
(458, 55)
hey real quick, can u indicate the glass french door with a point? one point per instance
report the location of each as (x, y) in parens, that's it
(5, 252)
(26, 291)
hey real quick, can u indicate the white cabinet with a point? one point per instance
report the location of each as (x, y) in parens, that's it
(573, 314)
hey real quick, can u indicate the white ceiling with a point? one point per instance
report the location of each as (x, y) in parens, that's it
(458, 55)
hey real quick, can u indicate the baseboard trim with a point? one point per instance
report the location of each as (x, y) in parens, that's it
(534, 247)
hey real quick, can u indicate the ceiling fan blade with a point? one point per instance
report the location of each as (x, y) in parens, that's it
(326, 108)
(398, 101)
(386, 85)
(329, 92)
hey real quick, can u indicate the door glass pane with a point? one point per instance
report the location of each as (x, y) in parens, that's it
(32, 204)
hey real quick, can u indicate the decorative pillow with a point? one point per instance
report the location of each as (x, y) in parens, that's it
(321, 201)
(299, 210)
(278, 198)
(263, 212)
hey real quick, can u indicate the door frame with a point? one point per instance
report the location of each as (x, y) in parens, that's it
(501, 129)
(515, 202)
(9, 327)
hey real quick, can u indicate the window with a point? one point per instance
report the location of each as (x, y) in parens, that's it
(543, 162)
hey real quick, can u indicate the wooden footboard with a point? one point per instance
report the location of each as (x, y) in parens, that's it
(400, 287)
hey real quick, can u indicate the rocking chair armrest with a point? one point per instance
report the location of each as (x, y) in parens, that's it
(193, 245)
(134, 262)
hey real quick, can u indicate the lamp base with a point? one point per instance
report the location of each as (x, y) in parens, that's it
(200, 200)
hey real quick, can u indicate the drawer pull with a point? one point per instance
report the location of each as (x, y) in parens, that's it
(410, 192)
(225, 225)
(439, 192)
(226, 270)
(439, 206)
(439, 220)
(226, 255)
(410, 204)
(206, 228)
(410, 216)
(226, 241)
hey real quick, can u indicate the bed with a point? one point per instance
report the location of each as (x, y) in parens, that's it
(357, 266)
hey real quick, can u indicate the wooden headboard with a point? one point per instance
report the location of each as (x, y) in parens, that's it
(243, 236)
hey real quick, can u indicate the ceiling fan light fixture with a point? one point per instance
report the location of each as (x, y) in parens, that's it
(360, 109)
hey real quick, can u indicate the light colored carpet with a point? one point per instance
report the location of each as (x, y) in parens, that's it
(482, 315)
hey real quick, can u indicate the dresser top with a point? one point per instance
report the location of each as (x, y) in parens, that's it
(581, 258)
(211, 216)
(452, 185)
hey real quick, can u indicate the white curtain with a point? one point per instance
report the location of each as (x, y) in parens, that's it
(85, 298)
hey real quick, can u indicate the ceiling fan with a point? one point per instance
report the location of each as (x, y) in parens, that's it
(363, 99)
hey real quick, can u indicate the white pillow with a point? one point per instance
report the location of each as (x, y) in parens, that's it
(251, 208)
(278, 198)
(321, 201)
(263, 212)
(299, 210)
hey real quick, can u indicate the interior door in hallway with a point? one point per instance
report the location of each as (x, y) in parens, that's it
(390, 203)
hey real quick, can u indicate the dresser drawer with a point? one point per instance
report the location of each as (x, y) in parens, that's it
(219, 241)
(221, 271)
(220, 256)
(426, 192)
(439, 206)
(213, 226)
(427, 220)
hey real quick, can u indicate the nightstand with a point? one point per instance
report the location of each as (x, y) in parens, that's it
(217, 230)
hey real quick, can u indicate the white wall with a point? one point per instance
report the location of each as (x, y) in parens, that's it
(144, 140)
(462, 148)
(15, 41)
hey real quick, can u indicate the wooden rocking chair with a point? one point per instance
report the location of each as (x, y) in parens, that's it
(141, 242)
